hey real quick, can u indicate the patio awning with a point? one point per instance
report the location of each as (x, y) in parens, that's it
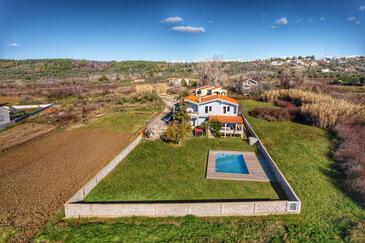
(226, 119)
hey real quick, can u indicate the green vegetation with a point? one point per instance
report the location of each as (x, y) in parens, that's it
(6, 232)
(130, 121)
(328, 215)
(156, 170)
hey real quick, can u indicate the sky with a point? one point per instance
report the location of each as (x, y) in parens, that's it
(180, 30)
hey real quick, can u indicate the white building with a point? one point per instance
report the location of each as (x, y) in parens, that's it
(247, 85)
(210, 90)
(4, 115)
(179, 82)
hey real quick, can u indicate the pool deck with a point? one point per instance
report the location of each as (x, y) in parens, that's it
(255, 170)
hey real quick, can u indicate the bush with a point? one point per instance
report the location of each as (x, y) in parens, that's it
(216, 128)
(272, 114)
(350, 154)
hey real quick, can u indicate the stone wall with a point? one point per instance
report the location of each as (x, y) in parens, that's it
(80, 210)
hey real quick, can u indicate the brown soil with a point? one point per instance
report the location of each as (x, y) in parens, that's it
(39, 176)
(22, 133)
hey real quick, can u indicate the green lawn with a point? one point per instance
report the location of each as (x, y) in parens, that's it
(129, 121)
(156, 170)
(301, 153)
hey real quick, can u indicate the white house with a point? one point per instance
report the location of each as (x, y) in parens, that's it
(247, 85)
(4, 115)
(179, 82)
(216, 107)
(210, 90)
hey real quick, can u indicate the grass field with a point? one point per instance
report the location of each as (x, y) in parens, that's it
(328, 214)
(129, 121)
(156, 170)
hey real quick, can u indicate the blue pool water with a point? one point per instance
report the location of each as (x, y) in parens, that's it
(230, 163)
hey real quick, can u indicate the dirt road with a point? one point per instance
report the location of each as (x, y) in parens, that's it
(39, 176)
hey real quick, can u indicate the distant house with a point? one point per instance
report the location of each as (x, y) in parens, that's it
(277, 63)
(179, 82)
(326, 70)
(210, 90)
(4, 115)
(247, 85)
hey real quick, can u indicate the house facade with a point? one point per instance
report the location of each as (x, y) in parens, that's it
(215, 108)
(4, 115)
(247, 85)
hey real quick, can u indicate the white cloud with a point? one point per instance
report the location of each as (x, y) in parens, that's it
(310, 20)
(188, 29)
(211, 22)
(279, 22)
(172, 20)
(350, 19)
(322, 19)
(357, 22)
(298, 21)
(12, 44)
(362, 8)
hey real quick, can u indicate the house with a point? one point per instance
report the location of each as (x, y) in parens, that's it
(210, 90)
(215, 107)
(179, 82)
(247, 85)
(277, 63)
(4, 115)
(326, 70)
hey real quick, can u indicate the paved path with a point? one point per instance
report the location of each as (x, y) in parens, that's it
(157, 124)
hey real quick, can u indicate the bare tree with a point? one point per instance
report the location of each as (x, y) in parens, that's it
(285, 75)
(211, 71)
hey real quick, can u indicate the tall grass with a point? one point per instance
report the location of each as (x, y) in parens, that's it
(322, 110)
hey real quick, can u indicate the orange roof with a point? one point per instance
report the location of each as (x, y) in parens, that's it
(209, 98)
(226, 119)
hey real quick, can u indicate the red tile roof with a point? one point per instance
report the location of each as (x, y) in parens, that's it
(226, 119)
(206, 98)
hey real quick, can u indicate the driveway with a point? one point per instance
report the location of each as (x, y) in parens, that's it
(157, 125)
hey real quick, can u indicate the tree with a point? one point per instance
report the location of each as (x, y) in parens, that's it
(211, 71)
(299, 77)
(180, 128)
(103, 78)
(284, 75)
(216, 126)
(204, 126)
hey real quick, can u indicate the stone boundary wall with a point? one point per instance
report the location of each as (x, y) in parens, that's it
(76, 208)
(110, 210)
(294, 201)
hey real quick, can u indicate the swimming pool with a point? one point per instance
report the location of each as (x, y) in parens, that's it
(230, 163)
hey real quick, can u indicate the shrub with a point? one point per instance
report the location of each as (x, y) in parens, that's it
(350, 154)
(216, 128)
(272, 114)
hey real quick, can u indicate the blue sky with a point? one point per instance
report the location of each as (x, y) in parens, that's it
(180, 30)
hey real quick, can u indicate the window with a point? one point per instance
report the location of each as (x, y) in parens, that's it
(228, 109)
(210, 108)
(206, 109)
(224, 109)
